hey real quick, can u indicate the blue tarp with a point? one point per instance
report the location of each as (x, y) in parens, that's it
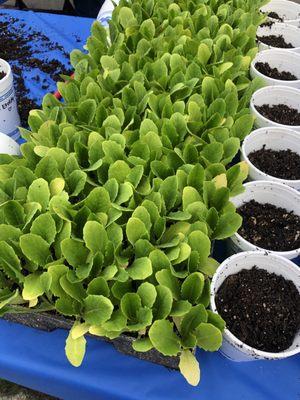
(69, 32)
(36, 359)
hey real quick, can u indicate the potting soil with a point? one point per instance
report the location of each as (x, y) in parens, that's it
(275, 41)
(270, 227)
(265, 69)
(26, 49)
(284, 164)
(260, 309)
(267, 23)
(280, 113)
(274, 15)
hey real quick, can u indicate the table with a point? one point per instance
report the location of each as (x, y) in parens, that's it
(36, 359)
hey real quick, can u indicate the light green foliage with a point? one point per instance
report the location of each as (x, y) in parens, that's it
(109, 214)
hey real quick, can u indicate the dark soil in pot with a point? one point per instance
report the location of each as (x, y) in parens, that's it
(275, 41)
(274, 15)
(260, 309)
(280, 113)
(269, 227)
(283, 164)
(265, 69)
(2, 75)
(267, 23)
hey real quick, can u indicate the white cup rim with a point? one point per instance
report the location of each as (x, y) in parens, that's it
(262, 130)
(287, 3)
(233, 339)
(267, 120)
(8, 71)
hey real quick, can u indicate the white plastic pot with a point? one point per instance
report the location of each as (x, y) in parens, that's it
(282, 60)
(273, 95)
(291, 34)
(287, 10)
(105, 12)
(275, 139)
(275, 193)
(232, 347)
(8, 145)
(9, 116)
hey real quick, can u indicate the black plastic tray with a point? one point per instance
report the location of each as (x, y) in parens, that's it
(123, 343)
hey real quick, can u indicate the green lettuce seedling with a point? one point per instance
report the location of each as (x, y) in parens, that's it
(110, 214)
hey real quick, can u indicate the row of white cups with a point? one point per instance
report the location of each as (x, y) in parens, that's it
(262, 187)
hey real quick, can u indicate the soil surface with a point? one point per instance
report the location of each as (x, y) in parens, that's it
(28, 50)
(280, 113)
(284, 164)
(269, 227)
(260, 309)
(275, 41)
(2, 75)
(274, 15)
(267, 23)
(265, 69)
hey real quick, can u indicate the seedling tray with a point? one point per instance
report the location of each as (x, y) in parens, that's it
(49, 323)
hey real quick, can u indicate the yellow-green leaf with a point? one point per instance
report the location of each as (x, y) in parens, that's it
(189, 367)
(75, 350)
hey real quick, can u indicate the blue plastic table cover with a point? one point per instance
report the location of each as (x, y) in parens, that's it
(37, 360)
(68, 32)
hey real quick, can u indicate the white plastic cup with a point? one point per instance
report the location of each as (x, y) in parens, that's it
(291, 34)
(282, 60)
(8, 145)
(287, 10)
(232, 347)
(9, 116)
(275, 139)
(273, 95)
(274, 193)
(106, 11)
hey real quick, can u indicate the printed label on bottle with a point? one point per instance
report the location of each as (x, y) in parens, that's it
(9, 116)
